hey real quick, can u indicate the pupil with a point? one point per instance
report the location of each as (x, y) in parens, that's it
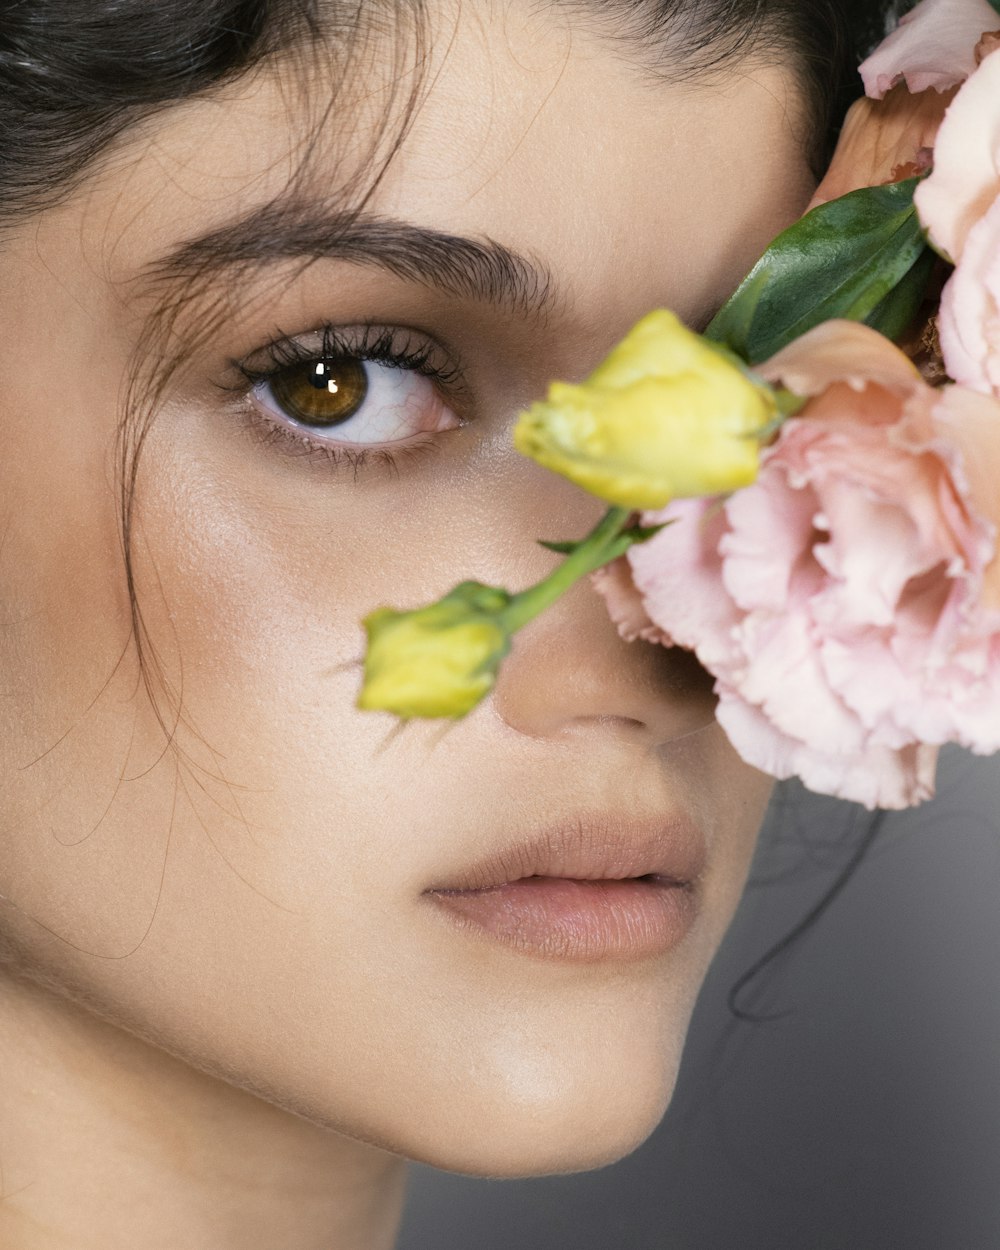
(323, 377)
(322, 392)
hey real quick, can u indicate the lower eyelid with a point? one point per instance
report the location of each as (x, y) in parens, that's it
(295, 444)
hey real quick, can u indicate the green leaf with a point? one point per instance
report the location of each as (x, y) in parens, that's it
(846, 258)
(561, 549)
(996, 4)
(896, 312)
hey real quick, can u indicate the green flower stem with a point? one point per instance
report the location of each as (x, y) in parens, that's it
(606, 542)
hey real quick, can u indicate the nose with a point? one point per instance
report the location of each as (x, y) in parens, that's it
(570, 672)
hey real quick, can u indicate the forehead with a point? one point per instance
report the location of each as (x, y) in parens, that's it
(509, 121)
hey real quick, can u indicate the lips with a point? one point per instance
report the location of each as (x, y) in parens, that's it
(597, 890)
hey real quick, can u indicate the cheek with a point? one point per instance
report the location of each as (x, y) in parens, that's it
(62, 583)
(254, 571)
(71, 734)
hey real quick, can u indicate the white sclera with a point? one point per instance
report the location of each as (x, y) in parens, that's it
(400, 403)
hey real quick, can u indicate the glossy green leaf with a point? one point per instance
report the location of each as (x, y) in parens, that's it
(897, 311)
(862, 257)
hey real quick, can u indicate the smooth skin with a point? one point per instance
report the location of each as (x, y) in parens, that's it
(227, 1005)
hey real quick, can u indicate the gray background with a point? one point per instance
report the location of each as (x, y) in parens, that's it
(867, 1116)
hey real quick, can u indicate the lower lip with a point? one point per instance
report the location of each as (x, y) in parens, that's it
(578, 921)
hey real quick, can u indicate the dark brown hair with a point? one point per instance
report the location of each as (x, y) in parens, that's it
(74, 77)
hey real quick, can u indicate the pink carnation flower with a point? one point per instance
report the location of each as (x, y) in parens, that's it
(934, 46)
(848, 602)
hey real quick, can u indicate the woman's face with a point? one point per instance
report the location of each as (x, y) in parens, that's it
(214, 850)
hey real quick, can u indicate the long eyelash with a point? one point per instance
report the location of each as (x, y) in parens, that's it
(398, 348)
(395, 347)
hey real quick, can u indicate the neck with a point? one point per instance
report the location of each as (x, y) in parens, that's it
(108, 1143)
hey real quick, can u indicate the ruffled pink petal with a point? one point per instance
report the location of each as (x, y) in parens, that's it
(933, 46)
(966, 176)
(756, 740)
(969, 321)
(841, 351)
(784, 678)
(878, 778)
(869, 578)
(768, 542)
(881, 692)
(625, 605)
(891, 495)
(970, 427)
(678, 574)
(974, 710)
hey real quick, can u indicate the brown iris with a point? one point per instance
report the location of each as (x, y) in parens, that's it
(322, 392)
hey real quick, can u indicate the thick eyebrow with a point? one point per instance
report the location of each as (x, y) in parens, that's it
(478, 269)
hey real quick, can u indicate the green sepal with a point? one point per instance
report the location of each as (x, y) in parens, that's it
(627, 538)
(847, 258)
(788, 404)
(643, 533)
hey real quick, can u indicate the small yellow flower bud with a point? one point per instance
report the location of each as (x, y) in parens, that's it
(666, 415)
(439, 660)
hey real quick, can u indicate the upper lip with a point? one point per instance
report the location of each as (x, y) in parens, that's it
(595, 848)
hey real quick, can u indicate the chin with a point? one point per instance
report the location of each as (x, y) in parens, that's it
(546, 1144)
(548, 1123)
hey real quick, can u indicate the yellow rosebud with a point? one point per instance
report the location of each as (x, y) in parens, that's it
(666, 415)
(436, 661)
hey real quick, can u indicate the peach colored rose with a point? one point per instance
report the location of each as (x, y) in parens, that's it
(934, 46)
(848, 602)
(960, 206)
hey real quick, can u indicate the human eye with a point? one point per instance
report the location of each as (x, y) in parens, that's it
(346, 393)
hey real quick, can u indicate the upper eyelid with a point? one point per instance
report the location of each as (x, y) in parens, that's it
(366, 341)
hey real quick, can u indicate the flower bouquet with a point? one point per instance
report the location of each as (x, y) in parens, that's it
(807, 496)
